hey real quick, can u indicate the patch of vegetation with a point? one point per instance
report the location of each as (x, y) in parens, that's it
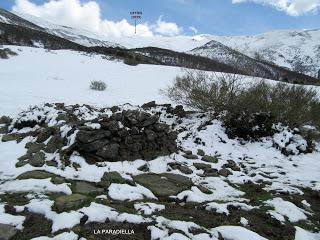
(98, 85)
(247, 110)
(6, 53)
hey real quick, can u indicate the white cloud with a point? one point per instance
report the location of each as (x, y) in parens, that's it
(193, 29)
(166, 28)
(87, 16)
(291, 7)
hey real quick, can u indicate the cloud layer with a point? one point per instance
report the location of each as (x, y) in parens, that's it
(87, 16)
(291, 7)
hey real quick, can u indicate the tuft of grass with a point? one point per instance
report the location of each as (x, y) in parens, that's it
(98, 85)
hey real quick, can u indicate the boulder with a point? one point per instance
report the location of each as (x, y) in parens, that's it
(37, 174)
(37, 159)
(211, 159)
(164, 185)
(111, 177)
(202, 166)
(55, 143)
(86, 188)
(69, 202)
(7, 231)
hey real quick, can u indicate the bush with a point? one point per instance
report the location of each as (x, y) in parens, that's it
(206, 92)
(98, 85)
(6, 52)
(247, 110)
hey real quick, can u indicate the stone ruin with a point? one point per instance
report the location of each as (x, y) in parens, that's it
(124, 135)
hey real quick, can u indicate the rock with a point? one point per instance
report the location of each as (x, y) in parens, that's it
(143, 168)
(211, 172)
(37, 174)
(52, 163)
(94, 146)
(204, 189)
(91, 136)
(34, 147)
(4, 130)
(5, 120)
(202, 166)
(86, 188)
(69, 202)
(37, 159)
(224, 172)
(21, 163)
(44, 135)
(181, 168)
(149, 105)
(232, 165)
(190, 156)
(113, 126)
(163, 185)
(150, 121)
(109, 152)
(34, 226)
(7, 231)
(111, 177)
(211, 159)
(178, 111)
(54, 144)
(10, 137)
(201, 152)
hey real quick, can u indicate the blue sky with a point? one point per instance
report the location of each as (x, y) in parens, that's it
(220, 17)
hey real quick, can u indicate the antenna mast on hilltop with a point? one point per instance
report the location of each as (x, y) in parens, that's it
(136, 15)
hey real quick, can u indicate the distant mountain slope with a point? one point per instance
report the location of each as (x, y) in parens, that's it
(212, 56)
(10, 18)
(297, 50)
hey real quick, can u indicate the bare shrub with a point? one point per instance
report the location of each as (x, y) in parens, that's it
(206, 92)
(98, 85)
(247, 109)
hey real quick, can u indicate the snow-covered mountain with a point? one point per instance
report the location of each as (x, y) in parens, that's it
(297, 50)
(178, 51)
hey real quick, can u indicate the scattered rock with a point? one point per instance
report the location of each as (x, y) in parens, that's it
(111, 177)
(7, 231)
(37, 174)
(211, 159)
(86, 188)
(181, 168)
(34, 147)
(190, 156)
(232, 165)
(34, 226)
(37, 159)
(10, 137)
(163, 185)
(202, 166)
(201, 152)
(224, 172)
(68, 202)
(54, 144)
(44, 135)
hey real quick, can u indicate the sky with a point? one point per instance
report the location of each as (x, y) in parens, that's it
(175, 17)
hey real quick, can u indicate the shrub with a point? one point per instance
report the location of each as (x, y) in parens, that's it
(6, 52)
(247, 110)
(98, 85)
(206, 92)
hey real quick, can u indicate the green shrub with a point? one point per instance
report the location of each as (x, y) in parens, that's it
(98, 85)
